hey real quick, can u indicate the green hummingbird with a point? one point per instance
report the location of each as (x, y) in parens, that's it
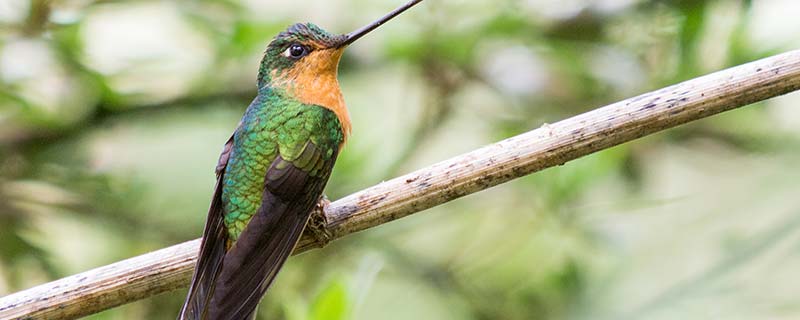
(272, 171)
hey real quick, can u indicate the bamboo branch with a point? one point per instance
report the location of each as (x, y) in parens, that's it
(551, 145)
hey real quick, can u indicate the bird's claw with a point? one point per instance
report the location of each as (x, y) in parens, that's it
(318, 222)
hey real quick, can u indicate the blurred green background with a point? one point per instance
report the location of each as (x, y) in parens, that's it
(112, 114)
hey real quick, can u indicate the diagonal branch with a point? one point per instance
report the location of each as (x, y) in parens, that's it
(551, 145)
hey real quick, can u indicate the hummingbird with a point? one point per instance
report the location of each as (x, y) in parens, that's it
(272, 171)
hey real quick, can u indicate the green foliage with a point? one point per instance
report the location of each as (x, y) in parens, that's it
(332, 303)
(112, 115)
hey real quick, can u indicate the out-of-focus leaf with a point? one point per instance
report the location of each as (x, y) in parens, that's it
(332, 303)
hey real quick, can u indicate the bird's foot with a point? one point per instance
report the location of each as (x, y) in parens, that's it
(318, 223)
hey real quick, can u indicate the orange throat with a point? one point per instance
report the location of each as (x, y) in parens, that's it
(313, 81)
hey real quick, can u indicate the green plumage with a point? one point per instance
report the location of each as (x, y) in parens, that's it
(271, 173)
(274, 125)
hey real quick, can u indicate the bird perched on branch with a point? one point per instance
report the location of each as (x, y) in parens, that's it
(272, 171)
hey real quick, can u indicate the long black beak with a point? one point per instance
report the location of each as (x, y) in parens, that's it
(353, 36)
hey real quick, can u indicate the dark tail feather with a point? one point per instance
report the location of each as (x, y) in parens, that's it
(212, 249)
(255, 259)
(209, 261)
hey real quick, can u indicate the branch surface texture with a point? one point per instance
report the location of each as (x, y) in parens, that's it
(550, 145)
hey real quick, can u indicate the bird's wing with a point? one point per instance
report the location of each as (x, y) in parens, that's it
(212, 249)
(293, 184)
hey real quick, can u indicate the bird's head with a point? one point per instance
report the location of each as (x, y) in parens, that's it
(299, 55)
(305, 54)
(303, 61)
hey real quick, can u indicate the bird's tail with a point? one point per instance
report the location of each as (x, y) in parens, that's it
(209, 261)
(252, 264)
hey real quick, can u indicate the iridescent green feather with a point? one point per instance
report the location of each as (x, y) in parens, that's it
(274, 124)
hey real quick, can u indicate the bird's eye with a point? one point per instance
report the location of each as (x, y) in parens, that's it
(296, 51)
